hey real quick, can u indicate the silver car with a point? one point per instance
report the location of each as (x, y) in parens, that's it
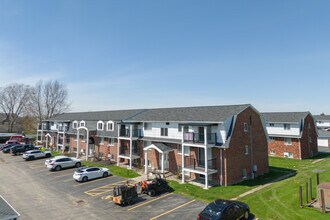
(34, 154)
(59, 162)
(88, 173)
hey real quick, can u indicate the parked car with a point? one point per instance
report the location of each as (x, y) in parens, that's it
(6, 148)
(34, 154)
(21, 148)
(88, 173)
(224, 209)
(59, 162)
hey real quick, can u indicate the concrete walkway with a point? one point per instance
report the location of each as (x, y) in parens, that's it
(264, 186)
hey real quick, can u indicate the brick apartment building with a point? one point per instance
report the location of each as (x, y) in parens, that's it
(323, 128)
(291, 134)
(220, 145)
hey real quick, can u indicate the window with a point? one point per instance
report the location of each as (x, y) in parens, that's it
(167, 123)
(100, 125)
(75, 137)
(110, 126)
(185, 128)
(75, 125)
(246, 128)
(246, 150)
(101, 140)
(147, 126)
(186, 150)
(286, 126)
(287, 141)
(244, 174)
(82, 124)
(164, 132)
(82, 136)
(288, 155)
(271, 124)
(271, 139)
(272, 153)
(111, 141)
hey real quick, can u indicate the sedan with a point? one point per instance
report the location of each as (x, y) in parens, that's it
(88, 173)
(59, 162)
(224, 209)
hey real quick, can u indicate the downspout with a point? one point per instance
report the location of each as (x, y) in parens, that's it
(252, 163)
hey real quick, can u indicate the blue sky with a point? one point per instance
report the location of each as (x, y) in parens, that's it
(137, 54)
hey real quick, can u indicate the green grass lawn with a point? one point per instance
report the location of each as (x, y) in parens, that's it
(281, 200)
(115, 170)
(277, 201)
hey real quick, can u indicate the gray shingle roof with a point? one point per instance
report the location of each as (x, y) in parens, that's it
(323, 134)
(290, 117)
(189, 114)
(6, 211)
(321, 117)
(115, 115)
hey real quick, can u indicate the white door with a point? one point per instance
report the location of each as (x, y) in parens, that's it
(166, 161)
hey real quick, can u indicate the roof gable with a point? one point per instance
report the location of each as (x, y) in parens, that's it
(284, 117)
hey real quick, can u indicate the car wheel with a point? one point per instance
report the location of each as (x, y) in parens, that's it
(152, 193)
(48, 155)
(85, 179)
(105, 174)
(31, 158)
(78, 164)
(58, 168)
(246, 214)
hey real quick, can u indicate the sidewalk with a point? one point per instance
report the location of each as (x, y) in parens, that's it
(265, 185)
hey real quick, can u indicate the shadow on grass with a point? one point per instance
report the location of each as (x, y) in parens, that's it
(275, 174)
(321, 155)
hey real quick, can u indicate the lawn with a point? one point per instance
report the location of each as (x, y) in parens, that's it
(277, 201)
(115, 170)
(281, 200)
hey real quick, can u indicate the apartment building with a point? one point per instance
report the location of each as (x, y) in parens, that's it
(291, 134)
(219, 145)
(323, 128)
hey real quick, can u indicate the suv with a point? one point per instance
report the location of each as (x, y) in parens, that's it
(59, 162)
(34, 154)
(19, 148)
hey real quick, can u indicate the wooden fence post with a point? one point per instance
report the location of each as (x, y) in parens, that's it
(306, 193)
(310, 188)
(322, 201)
(300, 196)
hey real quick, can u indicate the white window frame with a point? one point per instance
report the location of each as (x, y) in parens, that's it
(112, 125)
(286, 126)
(187, 153)
(246, 150)
(97, 126)
(111, 143)
(73, 125)
(246, 127)
(165, 132)
(272, 153)
(82, 124)
(286, 142)
(101, 140)
(288, 154)
(271, 125)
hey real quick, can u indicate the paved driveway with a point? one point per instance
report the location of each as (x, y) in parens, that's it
(37, 193)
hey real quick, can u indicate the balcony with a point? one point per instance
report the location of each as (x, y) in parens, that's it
(199, 138)
(199, 165)
(63, 129)
(127, 133)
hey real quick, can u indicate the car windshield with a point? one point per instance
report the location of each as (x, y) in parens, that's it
(79, 170)
(212, 210)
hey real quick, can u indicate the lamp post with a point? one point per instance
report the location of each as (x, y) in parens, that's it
(87, 142)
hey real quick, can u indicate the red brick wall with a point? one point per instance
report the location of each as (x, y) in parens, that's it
(235, 158)
(279, 147)
(309, 148)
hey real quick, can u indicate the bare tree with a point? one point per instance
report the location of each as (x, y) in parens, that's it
(14, 98)
(50, 98)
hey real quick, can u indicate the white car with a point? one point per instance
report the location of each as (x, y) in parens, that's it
(88, 173)
(59, 162)
(34, 154)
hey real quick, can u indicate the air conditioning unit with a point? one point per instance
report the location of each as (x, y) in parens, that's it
(255, 168)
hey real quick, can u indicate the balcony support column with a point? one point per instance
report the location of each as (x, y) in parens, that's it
(146, 161)
(205, 135)
(182, 157)
(130, 145)
(118, 145)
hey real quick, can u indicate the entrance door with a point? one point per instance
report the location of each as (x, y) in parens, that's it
(166, 161)
(200, 134)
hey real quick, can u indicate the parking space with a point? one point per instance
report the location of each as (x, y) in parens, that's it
(98, 193)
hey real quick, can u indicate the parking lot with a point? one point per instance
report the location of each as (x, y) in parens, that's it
(36, 193)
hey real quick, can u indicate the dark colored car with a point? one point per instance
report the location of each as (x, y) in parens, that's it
(225, 209)
(6, 148)
(19, 148)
